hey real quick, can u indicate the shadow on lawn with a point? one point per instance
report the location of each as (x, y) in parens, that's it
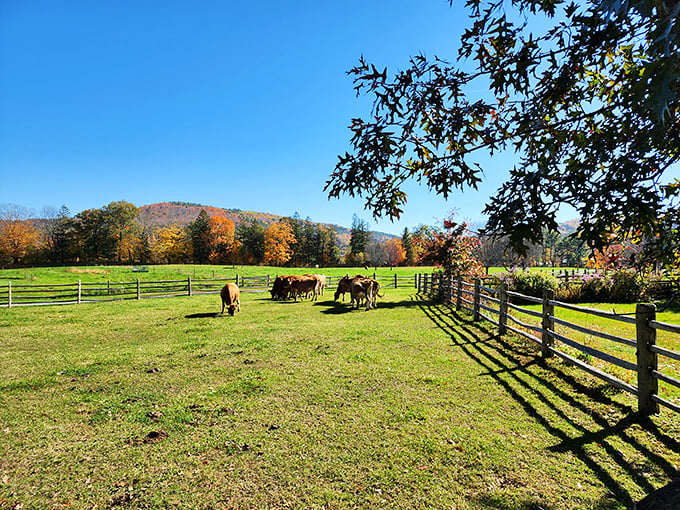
(521, 372)
(340, 307)
(208, 315)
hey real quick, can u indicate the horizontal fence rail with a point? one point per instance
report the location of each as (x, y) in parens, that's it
(497, 306)
(81, 292)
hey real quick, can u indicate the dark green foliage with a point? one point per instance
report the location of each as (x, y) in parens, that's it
(315, 244)
(407, 244)
(251, 236)
(359, 236)
(590, 105)
(626, 287)
(198, 233)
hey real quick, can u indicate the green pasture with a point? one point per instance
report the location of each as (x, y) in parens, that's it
(165, 403)
(620, 329)
(96, 274)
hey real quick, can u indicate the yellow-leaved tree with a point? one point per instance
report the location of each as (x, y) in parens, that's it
(278, 238)
(172, 245)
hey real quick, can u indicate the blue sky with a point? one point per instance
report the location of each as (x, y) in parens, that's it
(229, 104)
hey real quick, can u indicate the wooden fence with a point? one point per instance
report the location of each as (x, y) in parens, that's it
(79, 292)
(496, 306)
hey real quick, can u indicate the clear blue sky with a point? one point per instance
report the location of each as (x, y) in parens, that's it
(229, 104)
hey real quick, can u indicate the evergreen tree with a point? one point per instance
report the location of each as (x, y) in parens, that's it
(199, 233)
(359, 236)
(407, 245)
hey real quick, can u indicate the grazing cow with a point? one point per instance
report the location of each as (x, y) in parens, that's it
(304, 285)
(344, 285)
(278, 289)
(362, 288)
(231, 298)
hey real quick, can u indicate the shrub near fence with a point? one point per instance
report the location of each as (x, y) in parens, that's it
(79, 292)
(495, 306)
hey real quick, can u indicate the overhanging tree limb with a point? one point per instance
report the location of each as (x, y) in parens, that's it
(590, 106)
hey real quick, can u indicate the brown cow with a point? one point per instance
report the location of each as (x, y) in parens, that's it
(362, 288)
(321, 282)
(375, 291)
(279, 287)
(231, 298)
(304, 285)
(344, 285)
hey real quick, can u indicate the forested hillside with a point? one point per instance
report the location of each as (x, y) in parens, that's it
(164, 214)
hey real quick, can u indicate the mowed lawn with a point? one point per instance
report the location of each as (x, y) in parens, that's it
(165, 403)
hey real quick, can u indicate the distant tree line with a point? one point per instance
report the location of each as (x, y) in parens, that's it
(120, 233)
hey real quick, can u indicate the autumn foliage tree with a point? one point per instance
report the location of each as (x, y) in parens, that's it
(394, 252)
(454, 249)
(278, 241)
(220, 239)
(172, 245)
(17, 234)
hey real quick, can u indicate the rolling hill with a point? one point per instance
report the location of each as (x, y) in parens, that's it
(182, 213)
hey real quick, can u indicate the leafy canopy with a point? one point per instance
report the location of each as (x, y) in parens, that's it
(589, 105)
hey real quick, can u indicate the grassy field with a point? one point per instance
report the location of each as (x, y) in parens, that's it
(165, 403)
(96, 274)
(665, 339)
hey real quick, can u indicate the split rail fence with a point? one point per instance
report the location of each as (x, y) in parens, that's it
(80, 292)
(503, 307)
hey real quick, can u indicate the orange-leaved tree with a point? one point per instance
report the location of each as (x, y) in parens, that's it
(17, 234)
(278, 238)
(221, 239)
(394, 251)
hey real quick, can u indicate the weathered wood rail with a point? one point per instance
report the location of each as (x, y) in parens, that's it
(496, 306)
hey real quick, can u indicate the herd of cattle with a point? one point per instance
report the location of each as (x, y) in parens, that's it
(360, 288)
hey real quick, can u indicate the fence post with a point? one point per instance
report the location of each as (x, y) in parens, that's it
(9, 295)
(189, 285)
(547, 325)
(475, 316)
(395, 281)
(459, 293)
(647, 361)
(503, 310)
(237, 279)
(80, 291)
(139, 290)
(108, 287)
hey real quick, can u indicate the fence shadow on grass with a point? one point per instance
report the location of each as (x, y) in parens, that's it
(520, 370)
